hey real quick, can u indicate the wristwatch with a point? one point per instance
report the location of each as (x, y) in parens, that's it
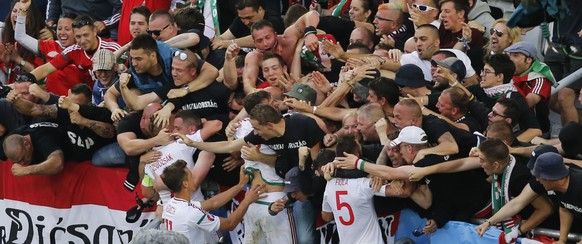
(186, 87)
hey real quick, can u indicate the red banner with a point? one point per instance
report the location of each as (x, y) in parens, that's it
(82, 204)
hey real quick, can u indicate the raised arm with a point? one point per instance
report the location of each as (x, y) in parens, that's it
(132, 100)
(43, 71)
(446, 146)
(463, 164)
(215, 147)
(20, 35)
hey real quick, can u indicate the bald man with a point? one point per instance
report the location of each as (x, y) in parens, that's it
(35, 149)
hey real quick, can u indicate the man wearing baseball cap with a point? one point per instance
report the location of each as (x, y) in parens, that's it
(449, 71)
(566, 183)
(533, 80)
(105, 71)
(470, 194)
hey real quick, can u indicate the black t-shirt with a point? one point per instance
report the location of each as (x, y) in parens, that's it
(572, 198)
(341, 29)
(46, 138)
(238, 29)
(472, 123)
(206, 102)
(520, 177)
(130, 123)
(435, 128)
(300, 130)
(456, 196)
(82, 141)
(527, 118)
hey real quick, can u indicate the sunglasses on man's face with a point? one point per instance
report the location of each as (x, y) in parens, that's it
(156, 32)
(24, 78)
(496, 31)
(422, 8)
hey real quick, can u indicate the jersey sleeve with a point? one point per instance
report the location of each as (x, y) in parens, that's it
(61, 60)
(542, 87)
(203, 220)
(325, 207)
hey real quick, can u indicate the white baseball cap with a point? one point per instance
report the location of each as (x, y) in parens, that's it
(411, 135)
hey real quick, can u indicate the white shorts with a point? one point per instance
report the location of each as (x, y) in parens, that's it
(262, 228)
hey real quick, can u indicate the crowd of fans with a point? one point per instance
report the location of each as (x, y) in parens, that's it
(330, 110)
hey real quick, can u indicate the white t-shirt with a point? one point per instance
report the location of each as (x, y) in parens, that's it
(351, 202)
(171, 153)
(191, 220)
(267, 172)
(425, 65)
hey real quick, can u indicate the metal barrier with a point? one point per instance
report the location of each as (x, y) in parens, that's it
(542, 232)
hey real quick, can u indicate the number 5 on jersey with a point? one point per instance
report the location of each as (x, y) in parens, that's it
(341, 205)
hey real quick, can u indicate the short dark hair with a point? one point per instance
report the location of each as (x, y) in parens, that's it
(145, 42)
(324, 156)
(189, 18)
(162, 13)
(459, 98)
(259, 25)
(360, 46)
(446, 53)
(434, 31)
(267, 56)
(495, 150)
(190, 118)
(83, 20)
(264, 114)
(502, 65)
(347, 143)
(386, 88)
(254, 4)
(503, 129)
(511, 109)
(255, 98)
(459, 5)
(142, 10)
(293, 14)
(174, 175)
(68, 15)
(82, 88)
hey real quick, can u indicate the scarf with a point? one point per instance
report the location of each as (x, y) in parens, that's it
(540, 68)
(499, 91)
(500, 195)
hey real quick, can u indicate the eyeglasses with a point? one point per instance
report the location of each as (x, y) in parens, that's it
(485, 72)
(80, 23)
(495, 114)
(156, 32)
(422, 8)
(496, 31)
(383, 19)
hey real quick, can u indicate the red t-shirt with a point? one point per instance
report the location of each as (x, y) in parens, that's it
(60, 81)
(123, 34)
(82, 60)
(533, 83)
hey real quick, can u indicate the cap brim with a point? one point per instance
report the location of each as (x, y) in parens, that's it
(440, 63)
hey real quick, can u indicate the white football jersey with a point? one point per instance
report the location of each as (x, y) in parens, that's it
(171, 153)
(351, 202)
(191, 220)
(267, 172)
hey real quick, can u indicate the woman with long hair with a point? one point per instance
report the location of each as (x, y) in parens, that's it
(60, 81)
(15, 59)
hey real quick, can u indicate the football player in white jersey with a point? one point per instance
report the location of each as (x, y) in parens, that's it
(190, 124)
(191, 217)
(261, 227)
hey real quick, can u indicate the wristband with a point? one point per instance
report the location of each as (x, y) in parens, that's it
(361, 164)
(465, 42)
(271, 212)
(309, 30)
(356, 163)
(454, 83)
